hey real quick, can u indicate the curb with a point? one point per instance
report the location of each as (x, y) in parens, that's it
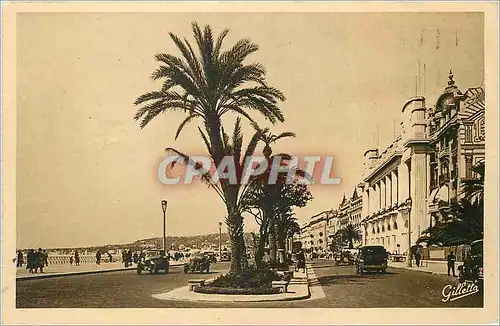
(53, 275)
(419, 270)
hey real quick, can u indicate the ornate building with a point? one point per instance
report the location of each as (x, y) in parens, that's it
(316, 233)
(404, 186)
(456, 140)
(350, 210)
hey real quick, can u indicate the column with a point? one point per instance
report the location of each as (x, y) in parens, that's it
(382, 193)
(394, 187)
(366, 202)
(388, 190)
(403, 182)
(419, 190)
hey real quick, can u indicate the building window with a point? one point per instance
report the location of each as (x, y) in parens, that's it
(378, 229)
(383, 228)
(388, 227)
(395, 226)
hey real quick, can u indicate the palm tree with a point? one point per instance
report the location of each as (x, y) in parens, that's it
(463, 221)
(474, 188)
(351, 234)
(271, 190)
(206, 86)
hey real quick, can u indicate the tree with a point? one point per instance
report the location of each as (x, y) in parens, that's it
(206, 86)
(462, 221)
(272, 207)
(351, 234)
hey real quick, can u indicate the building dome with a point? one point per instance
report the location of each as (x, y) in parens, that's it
(449, 98)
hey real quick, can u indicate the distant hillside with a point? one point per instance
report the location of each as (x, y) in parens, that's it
(173, 242)
(195, 242)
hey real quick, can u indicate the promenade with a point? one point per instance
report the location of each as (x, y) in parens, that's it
(87, 268)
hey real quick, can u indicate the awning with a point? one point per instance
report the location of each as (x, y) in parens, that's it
(443, 194)
(432, 196)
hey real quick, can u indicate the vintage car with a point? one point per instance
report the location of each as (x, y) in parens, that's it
(197, 263)
(225, 256)
(371, 258)
(472, 268)
(211, 256)
(153, 261)
(344, 257)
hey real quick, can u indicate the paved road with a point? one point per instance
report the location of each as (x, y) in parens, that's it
(342, 287)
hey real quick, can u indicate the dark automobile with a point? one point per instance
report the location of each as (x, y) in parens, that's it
(344, 258)
(225, 256)
(197, 263)
(153, 261)
(211, 256)
(472, 268)
(371, 258)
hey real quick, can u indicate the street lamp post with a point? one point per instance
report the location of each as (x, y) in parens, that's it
(408, 258)
(164, 209)
(220, 240)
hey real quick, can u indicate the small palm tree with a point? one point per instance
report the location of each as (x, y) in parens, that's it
(351, 234)
(207, 85)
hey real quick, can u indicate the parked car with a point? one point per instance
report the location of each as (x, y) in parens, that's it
(153, 261)
(472, 268)
(344, 258)
(211, 256)
(371, 258)
(197, 263)
(225, 256)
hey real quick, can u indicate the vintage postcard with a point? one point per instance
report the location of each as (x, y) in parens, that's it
(321, 159)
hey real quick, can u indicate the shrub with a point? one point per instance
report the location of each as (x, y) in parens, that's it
(250, 278)
(221, 290)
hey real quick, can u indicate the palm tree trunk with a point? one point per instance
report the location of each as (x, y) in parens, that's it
(273, 252)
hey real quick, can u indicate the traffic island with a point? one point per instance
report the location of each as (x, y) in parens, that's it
(296, 289)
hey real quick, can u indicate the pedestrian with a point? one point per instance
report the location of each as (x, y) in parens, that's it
(77, 258)
(39, 260)
(110, 257)
(29, 260)
(129, 258)
(20, 259)
(45, 258)
(71, 260)
(451, 262)
(98, 257)
(136, 257)
(417, 256)
(301, 261)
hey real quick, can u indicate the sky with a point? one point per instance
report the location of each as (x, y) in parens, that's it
(86, 172)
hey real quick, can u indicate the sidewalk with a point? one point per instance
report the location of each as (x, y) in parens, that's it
(67, 269)
(427, 267)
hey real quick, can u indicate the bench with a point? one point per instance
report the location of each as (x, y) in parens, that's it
(195, 283)
(281, 285)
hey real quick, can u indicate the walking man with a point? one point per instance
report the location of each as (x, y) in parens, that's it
(417, 256)
(98, 257)
(39, 260)
(451, 262)
(77, 258)
(45, 258)
(20, 258)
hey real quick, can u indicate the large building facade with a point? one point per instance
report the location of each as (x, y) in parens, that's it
(405, 185)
